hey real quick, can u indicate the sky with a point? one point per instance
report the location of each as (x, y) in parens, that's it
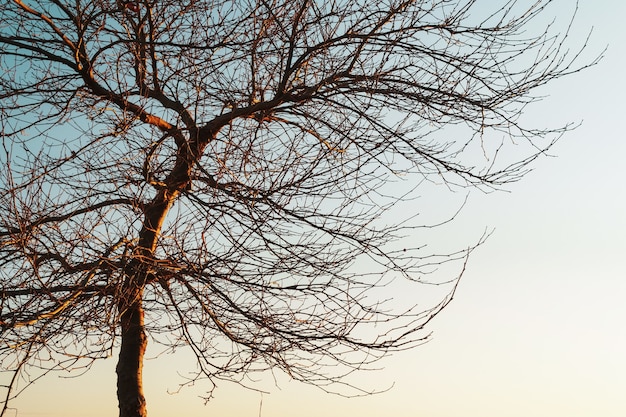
(536, 327)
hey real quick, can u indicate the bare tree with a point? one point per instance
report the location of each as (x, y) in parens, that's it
(206, 174)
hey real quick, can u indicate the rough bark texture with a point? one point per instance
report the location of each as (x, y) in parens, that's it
(129, 367)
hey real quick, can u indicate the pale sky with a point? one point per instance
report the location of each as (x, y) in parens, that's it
(537, 325)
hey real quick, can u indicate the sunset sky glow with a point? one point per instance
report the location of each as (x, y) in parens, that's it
(536, 328)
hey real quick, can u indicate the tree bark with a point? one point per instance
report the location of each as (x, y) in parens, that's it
(131, 400)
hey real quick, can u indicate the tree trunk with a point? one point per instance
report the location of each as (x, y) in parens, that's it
(131, 400)
(129, 367)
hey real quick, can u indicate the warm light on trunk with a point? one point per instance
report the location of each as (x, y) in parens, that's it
(129, 367)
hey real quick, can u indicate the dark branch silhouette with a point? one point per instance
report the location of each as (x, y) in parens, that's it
(207, 174)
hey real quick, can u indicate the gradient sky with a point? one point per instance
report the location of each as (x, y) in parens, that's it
(537, 325)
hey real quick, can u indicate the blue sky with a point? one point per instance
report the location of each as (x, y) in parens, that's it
(536, 327)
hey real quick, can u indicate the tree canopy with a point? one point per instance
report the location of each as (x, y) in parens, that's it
(206, 174)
